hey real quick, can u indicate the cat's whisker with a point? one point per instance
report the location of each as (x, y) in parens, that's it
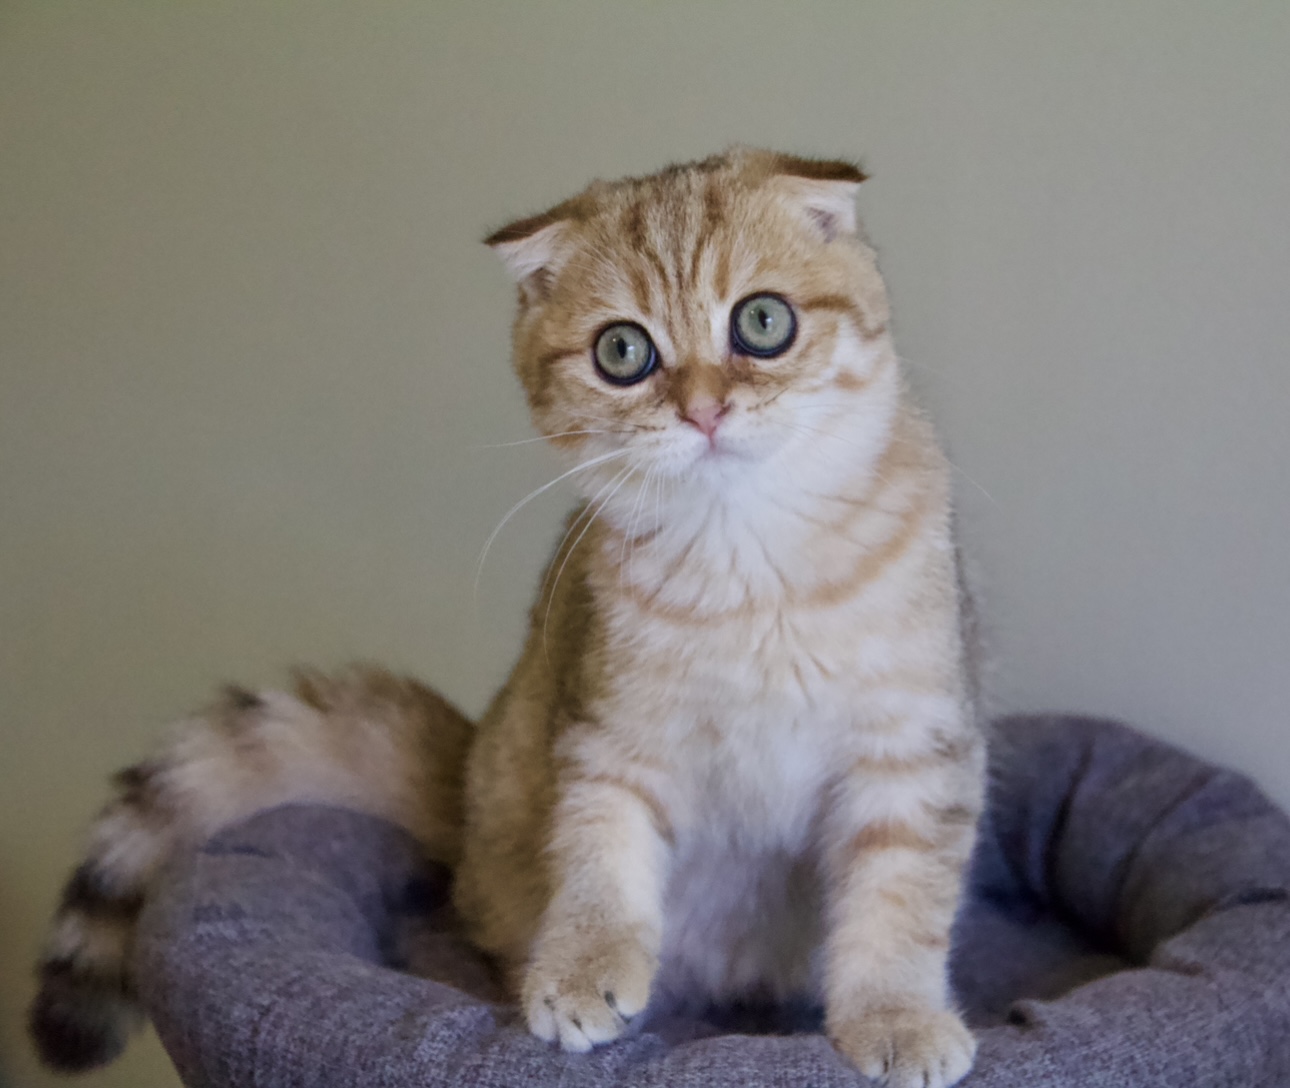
(617, 483)
(587, 511)
(530, 441)
(770, 400)
(483, 555)
(650, 480)
(956, 467)
(973, 482)
(631, 526)
(658, 502)
(638, 511)
(623, 425)
(806, 428)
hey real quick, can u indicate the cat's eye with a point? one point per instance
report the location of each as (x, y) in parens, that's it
(625, 354)
(762, 325)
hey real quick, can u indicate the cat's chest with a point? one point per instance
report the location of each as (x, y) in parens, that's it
(784, 665)
(750, 781)
(749, 720)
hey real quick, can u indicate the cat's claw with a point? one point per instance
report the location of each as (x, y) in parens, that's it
(581, 993)
(907, 1048)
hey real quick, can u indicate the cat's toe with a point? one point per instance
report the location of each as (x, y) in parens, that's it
(907, 1048)
(581, 994)
(575, 1023)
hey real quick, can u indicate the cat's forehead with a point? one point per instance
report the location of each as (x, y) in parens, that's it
(675, 211)
(682, 240)
(685, 238)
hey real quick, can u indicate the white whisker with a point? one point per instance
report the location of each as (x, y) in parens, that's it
(483, 555)
(973, 483)
(530, 441)
(806, 428)
(658, 503)
(803, 428)
(638, 511)
(574, 525)
(621, 479)
(631, 524)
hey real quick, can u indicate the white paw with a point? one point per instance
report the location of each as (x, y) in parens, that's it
(581, 990)
(906, 1048)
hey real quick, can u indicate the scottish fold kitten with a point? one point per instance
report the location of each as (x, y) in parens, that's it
(738, 757)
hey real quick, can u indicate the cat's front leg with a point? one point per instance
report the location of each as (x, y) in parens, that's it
(901, 832)
(596, 951)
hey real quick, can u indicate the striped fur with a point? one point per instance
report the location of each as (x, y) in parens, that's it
(738, 757)
(362, 738)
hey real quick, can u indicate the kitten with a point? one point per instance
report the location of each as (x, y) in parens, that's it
(738, 757)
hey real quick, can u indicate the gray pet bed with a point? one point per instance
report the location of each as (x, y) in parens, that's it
(1129, 925)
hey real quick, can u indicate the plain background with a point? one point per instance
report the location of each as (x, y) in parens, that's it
(250, 346)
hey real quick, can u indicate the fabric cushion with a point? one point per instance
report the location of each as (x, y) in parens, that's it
(1128, 924)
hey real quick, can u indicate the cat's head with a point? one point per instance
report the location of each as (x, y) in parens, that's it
(704, 321)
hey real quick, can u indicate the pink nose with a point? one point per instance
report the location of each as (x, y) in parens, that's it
(706, 416)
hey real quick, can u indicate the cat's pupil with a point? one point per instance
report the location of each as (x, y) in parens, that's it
(622, 348)
(764, 319)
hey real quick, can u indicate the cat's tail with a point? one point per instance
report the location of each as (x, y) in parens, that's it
(362, 739)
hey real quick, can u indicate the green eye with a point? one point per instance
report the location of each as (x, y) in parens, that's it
(762, 325)
(624, 354)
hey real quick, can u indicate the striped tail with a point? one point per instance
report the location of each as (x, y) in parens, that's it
(363, 738)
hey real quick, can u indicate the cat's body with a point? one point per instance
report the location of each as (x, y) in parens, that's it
(738, 756)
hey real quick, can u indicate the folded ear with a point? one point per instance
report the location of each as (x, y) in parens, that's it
(529, 247)
(825, 189)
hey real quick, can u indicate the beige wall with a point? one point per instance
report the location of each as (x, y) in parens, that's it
(249, 342)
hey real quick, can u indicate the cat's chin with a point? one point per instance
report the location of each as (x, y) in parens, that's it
(720, 459)
(730, 451)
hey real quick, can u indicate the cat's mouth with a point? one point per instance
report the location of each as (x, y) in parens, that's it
(715, 446)
(720, 450)
(687, 453)
(738, 443)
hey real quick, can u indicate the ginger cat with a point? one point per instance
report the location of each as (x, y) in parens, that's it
(738, 757)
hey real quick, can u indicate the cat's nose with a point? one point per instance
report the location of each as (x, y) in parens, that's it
(705, 415)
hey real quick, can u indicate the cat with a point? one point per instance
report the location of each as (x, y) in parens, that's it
(739, 756)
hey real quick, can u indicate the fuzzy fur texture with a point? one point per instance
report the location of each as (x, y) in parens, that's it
(738, 757)
(362, 738)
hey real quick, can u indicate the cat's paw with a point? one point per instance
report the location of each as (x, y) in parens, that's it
(580, 990)
(906, 1048)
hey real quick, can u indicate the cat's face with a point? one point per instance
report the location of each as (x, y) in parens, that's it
(703, 322)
